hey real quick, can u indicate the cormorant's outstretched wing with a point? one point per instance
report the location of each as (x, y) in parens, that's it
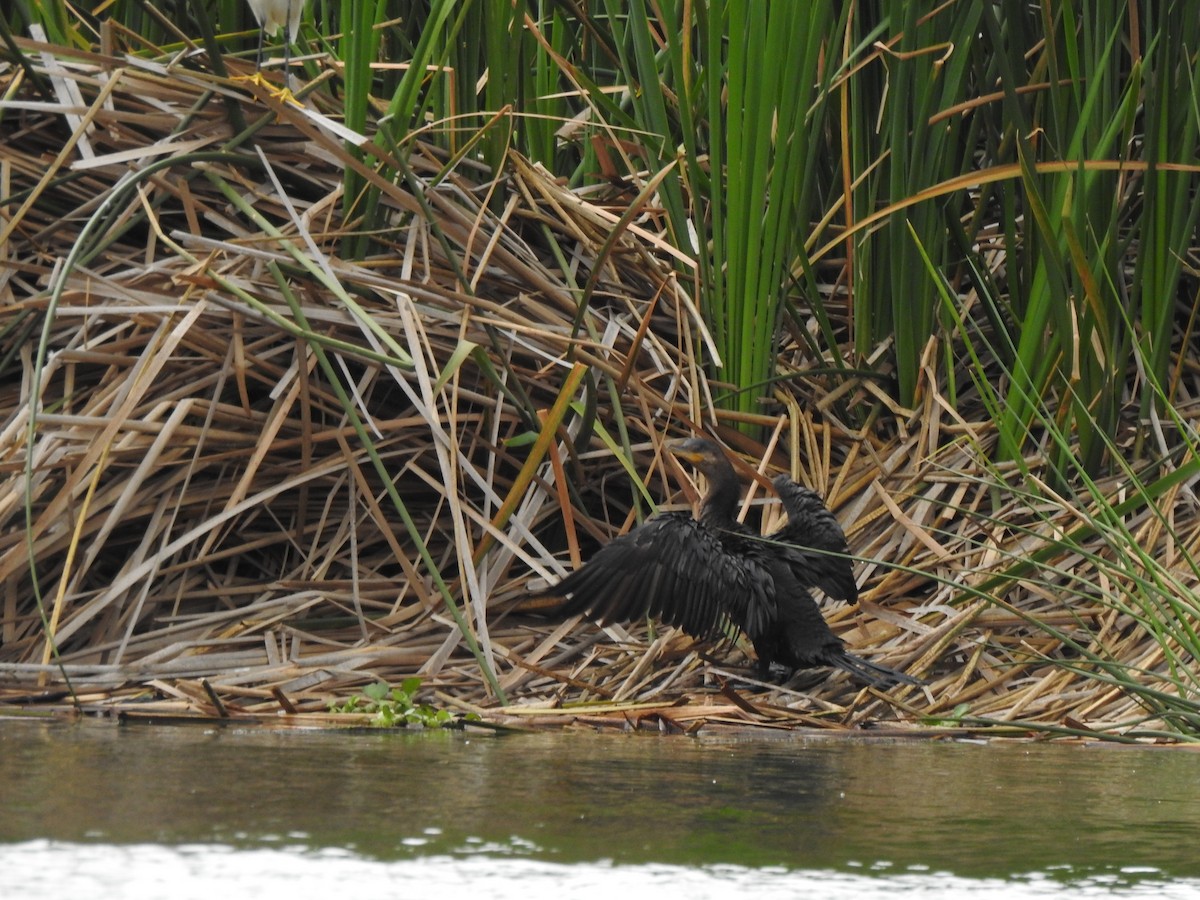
(814, 534)
(676, 569)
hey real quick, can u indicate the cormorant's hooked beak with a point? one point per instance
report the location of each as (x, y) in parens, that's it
(692, 450)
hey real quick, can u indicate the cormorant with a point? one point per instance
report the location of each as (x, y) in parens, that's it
(711, 572)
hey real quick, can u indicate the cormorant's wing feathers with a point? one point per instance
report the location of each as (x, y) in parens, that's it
(814, 534)
(671, 567)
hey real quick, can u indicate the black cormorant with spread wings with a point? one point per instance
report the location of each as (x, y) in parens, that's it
(708, 573)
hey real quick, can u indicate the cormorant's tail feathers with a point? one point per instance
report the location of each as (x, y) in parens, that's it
(874, 674)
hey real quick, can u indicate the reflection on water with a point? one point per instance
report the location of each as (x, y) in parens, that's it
(420, 804)
(195, 872)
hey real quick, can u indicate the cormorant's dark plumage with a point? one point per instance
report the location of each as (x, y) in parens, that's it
(707, 573)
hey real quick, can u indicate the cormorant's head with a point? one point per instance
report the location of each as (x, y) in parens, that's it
(723, 488)
(704, 454)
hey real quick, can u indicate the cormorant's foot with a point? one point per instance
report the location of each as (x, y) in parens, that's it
(757, 681)
(748, 678)
(763, 678)
(774, 673)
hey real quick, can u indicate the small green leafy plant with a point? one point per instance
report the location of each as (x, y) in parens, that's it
(393, 706)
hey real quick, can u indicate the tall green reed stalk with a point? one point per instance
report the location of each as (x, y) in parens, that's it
(1042, 155)
(730, 101)
(1102, 558)
(898, 147)
(1087, 119)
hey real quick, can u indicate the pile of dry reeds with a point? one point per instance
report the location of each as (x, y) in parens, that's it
(216, 394)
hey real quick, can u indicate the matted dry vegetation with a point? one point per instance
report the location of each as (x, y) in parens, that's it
(207, 522)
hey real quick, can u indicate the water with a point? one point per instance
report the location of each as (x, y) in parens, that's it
(97, 810)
